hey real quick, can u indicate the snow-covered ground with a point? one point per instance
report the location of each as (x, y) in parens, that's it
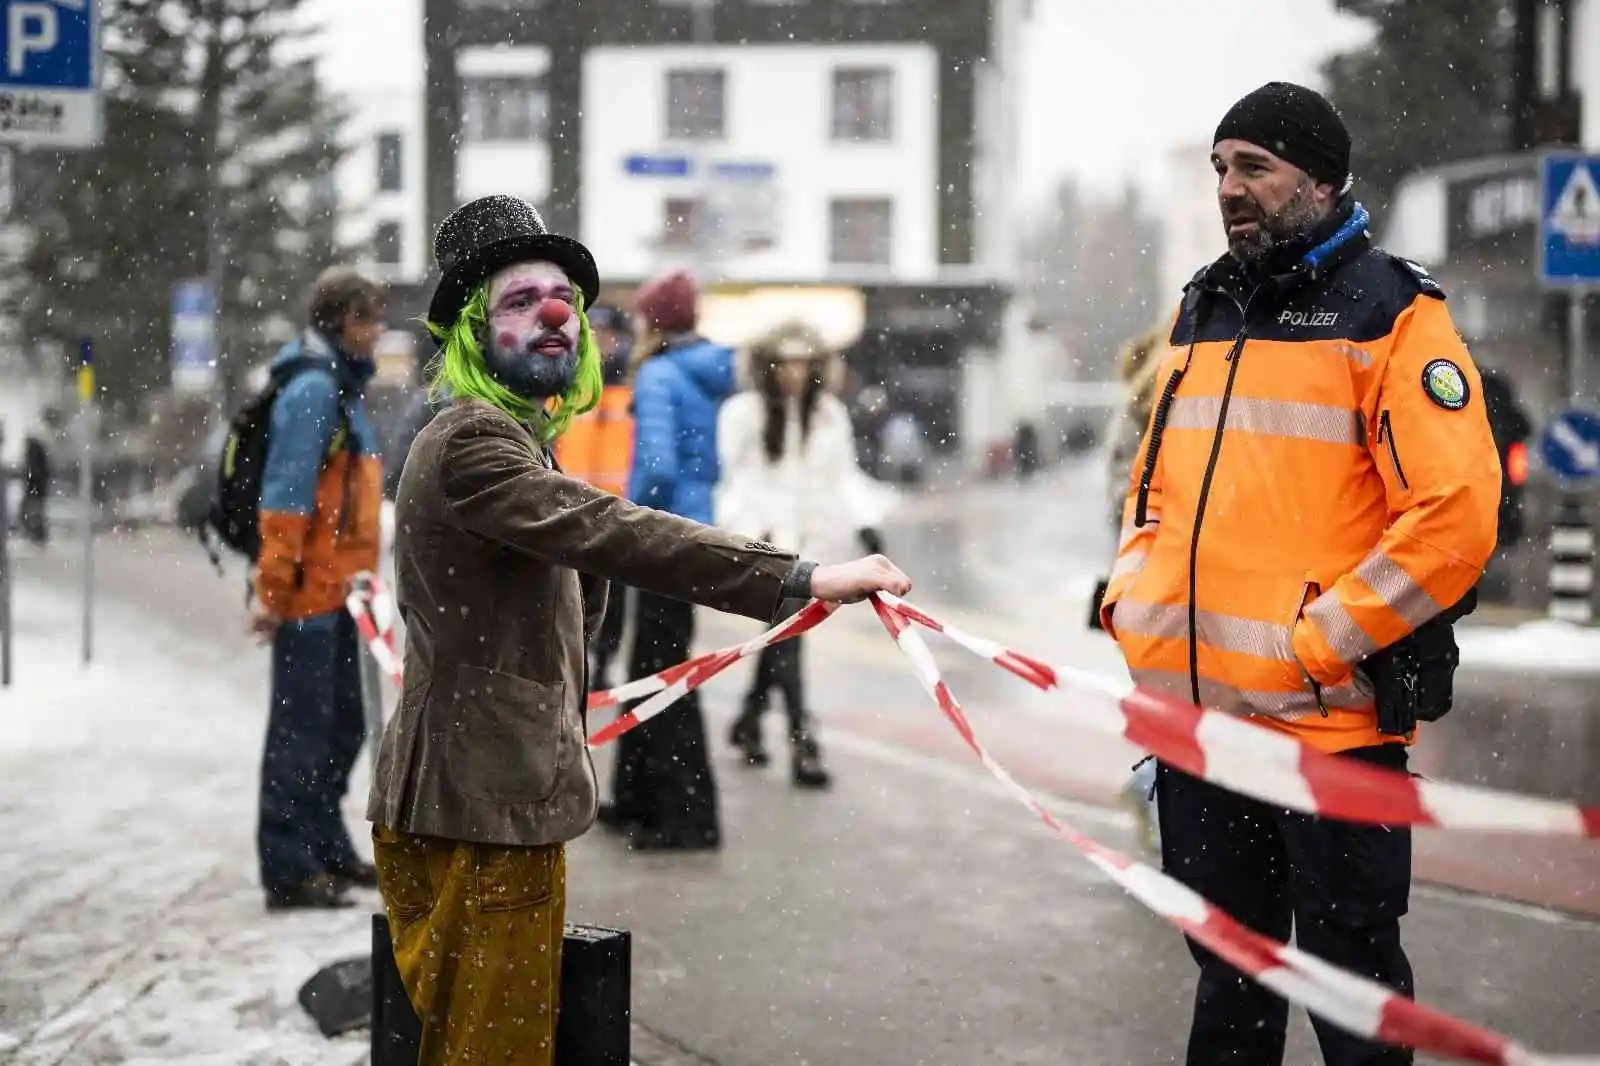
(1545, 646)
(132, 929)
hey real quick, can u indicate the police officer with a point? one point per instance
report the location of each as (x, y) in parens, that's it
(1312, 507)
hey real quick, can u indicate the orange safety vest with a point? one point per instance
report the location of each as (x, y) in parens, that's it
(1324, 482)
(598, 446)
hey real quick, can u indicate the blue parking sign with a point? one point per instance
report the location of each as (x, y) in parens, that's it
(47, 45)
(50, 73)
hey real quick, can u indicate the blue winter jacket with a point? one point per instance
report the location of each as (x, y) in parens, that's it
(676, 396)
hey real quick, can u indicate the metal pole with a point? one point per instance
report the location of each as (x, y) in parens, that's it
(5, 565)
(1577, 343)
(1572, 539)
(87, 426)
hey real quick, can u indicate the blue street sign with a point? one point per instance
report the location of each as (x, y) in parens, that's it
(744, 171)
(657, 166)
(1569, 219)
(50, 72)
(47, 45)
(194, 336)
(1569, 444)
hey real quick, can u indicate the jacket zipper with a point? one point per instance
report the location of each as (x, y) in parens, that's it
(1233, 359)
(1386, 433)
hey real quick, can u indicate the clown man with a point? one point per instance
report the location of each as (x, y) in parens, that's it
(502, 564)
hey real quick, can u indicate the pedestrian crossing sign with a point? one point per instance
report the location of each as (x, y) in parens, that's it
(1569, 222)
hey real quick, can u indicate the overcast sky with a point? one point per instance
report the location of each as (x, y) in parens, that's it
(1109, 86)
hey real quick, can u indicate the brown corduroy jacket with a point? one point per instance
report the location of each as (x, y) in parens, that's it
(502, 563)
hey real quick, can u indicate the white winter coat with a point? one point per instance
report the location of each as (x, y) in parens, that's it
(815, 498)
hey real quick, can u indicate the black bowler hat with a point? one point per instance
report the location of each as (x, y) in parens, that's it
(490, 233)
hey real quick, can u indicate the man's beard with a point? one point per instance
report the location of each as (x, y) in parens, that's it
(531, 375)
(1290, 222)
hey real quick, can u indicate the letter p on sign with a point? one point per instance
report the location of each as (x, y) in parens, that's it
(30, 28)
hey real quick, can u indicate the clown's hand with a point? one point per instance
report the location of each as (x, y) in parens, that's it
(854, 581)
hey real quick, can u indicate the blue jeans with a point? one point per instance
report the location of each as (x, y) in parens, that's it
(314, 735)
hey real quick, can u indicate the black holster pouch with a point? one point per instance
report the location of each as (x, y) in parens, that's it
(1413, 679)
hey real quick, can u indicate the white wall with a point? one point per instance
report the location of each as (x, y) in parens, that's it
(778, 110)
(519, 168)
(397, 108)
(1586, 68)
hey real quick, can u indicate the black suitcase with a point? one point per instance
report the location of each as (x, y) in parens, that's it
(593, 1028)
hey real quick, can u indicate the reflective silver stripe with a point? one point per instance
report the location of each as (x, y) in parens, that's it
(1285, 706)
(1131, 563)
(1347, 639)
(1159, 620)
(1360, 356)
(1273, 418)
(1223, 631)
(1396, 588)
(1247, 635)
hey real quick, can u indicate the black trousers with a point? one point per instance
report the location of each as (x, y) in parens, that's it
(315, 730)
(778, 668)
(1341, 887)
(663, 779)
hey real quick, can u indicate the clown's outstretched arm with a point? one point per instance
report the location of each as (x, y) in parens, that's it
(496, 488)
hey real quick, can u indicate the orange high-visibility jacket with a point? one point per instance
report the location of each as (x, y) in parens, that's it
(1325, 482)
(598, 446)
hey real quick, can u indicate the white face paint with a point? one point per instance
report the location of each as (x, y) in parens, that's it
(532, 359)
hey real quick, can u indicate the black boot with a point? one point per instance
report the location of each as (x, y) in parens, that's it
(746, 735)
(807, 762)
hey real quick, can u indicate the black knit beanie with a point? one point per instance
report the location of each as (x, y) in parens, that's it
(1294, 123)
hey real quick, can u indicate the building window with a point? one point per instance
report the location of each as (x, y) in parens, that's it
(862, 232)
(863, 104)
(695, 104)
(505, 108)
(389, 162)
(681, 220)
(386, 243)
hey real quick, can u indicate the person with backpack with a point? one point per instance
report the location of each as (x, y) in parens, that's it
(320, 493)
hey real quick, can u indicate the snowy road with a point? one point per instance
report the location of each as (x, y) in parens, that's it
(910, 916)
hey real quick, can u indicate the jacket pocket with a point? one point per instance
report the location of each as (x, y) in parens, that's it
(508, 742)
(1386, 437)
(1309, 593)
(405, 873)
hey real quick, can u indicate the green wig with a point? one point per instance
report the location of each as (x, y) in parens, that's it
(459, 370)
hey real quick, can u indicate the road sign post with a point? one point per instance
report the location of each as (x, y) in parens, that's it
(1569, 445)
(1569, 258)
(5, 565)
(50, 73)
(89, 427)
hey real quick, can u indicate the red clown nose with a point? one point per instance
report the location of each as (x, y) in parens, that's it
(553, 314)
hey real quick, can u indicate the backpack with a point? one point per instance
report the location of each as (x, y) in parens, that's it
(234, 518)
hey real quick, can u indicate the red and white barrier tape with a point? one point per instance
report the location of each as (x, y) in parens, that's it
(675, 682)
(1271, 766)
(373, 611)
(1352, 1002)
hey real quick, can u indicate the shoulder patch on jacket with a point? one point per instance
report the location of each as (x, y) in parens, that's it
(1417, 275)
(1445, 384)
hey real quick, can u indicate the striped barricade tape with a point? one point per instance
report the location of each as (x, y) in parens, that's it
(1349, 1001)
(675, 682)
(373, 610)
(1250, 759)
